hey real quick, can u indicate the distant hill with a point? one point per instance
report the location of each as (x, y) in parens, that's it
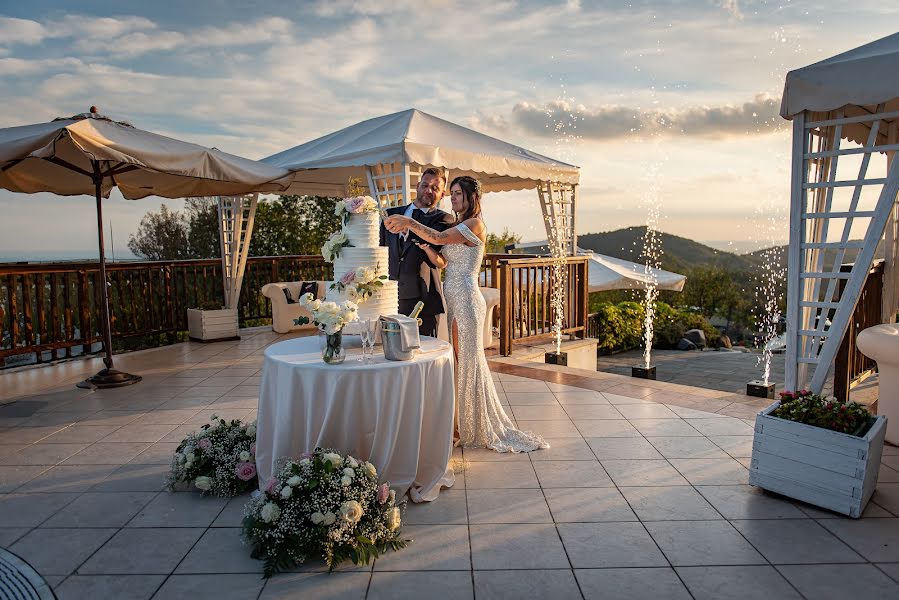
(678, 255)
(829, 254)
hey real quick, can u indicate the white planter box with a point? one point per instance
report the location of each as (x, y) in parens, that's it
(826, 468)
(212, 325)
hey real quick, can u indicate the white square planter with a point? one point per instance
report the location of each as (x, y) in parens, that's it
(212, 325)
(826, 468)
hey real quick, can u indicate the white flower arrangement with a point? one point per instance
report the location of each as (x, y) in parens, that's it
(308, 510)
(360, 283)
(336, 242)
(218, 459)
(329, 317)
(354, 206)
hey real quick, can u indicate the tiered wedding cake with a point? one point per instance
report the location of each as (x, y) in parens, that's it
(360, 263)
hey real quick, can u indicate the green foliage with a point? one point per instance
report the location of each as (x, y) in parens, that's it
(203, 227)
(496, 244)
(820, 411)
(620, 326)
(161, 236)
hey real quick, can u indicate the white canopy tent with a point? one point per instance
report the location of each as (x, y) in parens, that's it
(607, 273)
(839, 190)
(389, 153)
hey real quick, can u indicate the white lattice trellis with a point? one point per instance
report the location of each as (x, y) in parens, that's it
(559, 202)
(236, 214)
(832, 183)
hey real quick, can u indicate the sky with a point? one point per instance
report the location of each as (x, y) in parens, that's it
(672, 105)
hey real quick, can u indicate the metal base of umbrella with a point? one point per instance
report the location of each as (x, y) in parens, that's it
(109, 378)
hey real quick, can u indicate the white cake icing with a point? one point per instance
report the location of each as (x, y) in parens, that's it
(362, 232)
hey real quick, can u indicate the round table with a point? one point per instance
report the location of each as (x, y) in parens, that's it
(396, 414)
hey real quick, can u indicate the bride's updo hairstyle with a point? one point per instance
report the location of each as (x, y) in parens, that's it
(471, 191)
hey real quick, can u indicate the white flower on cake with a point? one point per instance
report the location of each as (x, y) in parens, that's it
(354, 206)
(337, 241)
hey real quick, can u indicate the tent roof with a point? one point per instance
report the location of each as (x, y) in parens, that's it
(860, 79)
(325, 164)
(610, 273)
(43, 157)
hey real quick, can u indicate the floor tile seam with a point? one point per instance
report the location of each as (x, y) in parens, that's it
(837, 535)
(894, 578)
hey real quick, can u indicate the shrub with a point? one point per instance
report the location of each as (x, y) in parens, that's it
(820, 411)
(620, 326)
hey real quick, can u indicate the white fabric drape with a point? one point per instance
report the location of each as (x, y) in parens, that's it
(398, 415)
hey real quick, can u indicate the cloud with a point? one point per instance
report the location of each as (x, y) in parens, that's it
(21, 31)
(756, 116)
(731, 7)
(371, 8)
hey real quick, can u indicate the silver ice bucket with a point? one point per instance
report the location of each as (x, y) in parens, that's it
(390, 339)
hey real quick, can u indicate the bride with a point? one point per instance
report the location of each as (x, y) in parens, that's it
(482, 421)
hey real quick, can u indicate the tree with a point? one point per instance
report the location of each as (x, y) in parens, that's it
(496, 244)
(293, 225)
(203, 228)
(161, 236)
(711, 290)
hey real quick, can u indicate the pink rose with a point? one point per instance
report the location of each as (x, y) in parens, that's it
(348, 277)
(383, 493)
(271, 485)
(354, 205)
(246, 471)
(306, 455)
(204, 444)
(253, 448)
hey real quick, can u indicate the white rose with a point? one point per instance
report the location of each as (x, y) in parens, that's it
(393, 519)
(333, 458)
(270, 512)
(349, 472)
(305, 462)
(179, 458)
(329, 518)
(346, 481)
(295, 480)
(317, 518)
(351, 292)
(244, 456)
(392, 496)
(189, 458)
(251, 430)
(352, 461)
(203, 483)
(371, 470)
(351, 511)
(315, 305)
(286, 492)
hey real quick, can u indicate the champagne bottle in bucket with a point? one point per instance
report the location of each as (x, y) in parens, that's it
(416, 310)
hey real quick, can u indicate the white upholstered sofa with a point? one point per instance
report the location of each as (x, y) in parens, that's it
(283, 313)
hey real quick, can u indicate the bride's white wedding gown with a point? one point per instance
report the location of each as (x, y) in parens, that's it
(482, 421)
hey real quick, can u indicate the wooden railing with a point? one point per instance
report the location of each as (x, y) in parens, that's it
(525, 310)
(51, 311)
(851, 366)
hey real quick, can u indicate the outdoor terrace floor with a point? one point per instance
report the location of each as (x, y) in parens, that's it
(643, 495)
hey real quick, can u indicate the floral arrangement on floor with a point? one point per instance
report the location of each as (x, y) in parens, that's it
(813, 409)
(354, 206)
(219, 459)
(329, 317)
(325, 506)
(360, 283)
(337, 241)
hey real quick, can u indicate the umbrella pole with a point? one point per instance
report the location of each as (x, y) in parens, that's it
(108, 377)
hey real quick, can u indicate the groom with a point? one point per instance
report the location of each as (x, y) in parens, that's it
(417, 278)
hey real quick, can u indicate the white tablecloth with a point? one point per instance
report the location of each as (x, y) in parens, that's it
(398, 415)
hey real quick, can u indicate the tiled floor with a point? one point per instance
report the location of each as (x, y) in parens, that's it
(635, 499)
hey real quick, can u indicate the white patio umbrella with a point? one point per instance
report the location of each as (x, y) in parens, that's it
(91, 154)
(609, 273)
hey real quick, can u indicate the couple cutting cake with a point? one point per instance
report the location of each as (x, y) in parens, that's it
(422, 239)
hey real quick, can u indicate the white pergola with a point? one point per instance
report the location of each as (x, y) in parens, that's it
(389, 153)
(845, 113)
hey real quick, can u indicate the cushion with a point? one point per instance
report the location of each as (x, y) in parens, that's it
(287, 295)
(309, 287)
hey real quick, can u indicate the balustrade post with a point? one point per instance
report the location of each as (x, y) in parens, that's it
(505, 309)
(84, 312)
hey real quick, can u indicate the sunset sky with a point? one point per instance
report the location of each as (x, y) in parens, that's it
(674, 103)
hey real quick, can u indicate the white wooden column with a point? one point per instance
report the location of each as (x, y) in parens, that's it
(392, 184)
(891, 245)
(558, 202)
(818, 313)
(236, 214)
